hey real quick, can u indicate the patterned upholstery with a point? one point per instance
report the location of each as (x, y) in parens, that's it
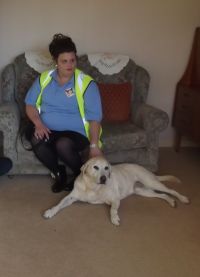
(136, 141)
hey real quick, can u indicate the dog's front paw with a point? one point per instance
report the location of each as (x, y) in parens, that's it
(172, 203)
(184, 199)
(49, 213)
(115, 220)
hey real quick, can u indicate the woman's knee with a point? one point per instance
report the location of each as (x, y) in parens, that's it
(38, 145)
(64, 144)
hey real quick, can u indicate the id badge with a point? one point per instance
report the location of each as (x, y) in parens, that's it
(69, 92)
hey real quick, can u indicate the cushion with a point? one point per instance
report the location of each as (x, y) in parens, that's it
(116, 101)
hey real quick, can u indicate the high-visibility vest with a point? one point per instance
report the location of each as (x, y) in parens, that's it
(81, 81)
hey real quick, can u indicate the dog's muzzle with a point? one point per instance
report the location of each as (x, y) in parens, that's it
(103, 179)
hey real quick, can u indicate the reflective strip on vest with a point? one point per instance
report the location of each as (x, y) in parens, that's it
(45, 79)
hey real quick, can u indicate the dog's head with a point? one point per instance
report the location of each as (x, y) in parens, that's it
(98, 169)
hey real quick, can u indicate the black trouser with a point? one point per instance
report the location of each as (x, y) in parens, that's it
(67, 146)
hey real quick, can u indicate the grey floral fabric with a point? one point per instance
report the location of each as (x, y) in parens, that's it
(136, 141)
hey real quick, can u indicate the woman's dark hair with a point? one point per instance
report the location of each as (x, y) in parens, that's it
(61, 44)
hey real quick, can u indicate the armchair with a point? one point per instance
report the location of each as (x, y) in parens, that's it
(134, 141)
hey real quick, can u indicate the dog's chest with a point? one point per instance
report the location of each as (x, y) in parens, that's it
(103, 195)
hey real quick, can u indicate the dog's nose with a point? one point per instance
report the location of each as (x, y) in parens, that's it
(103, 179)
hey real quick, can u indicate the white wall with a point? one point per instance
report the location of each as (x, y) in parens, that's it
(156, 34)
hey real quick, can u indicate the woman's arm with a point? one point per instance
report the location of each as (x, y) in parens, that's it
(94, 131)
(41, 130)
(93, 111)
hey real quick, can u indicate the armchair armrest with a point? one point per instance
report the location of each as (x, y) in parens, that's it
(9, 126)
(150, 118)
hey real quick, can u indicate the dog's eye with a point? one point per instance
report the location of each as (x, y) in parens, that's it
(96, 167)
(106, 167)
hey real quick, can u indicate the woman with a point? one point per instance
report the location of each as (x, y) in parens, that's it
(65, 108)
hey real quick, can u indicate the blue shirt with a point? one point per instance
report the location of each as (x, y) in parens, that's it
(59, 109)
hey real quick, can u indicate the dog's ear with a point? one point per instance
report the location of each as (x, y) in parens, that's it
(86, 164)
(84, 167)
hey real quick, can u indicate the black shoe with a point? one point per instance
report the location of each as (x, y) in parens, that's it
(61, 180)
(58, 187)
(5, 165)
(69, 186)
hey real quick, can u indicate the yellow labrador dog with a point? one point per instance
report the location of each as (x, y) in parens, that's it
(99, 182)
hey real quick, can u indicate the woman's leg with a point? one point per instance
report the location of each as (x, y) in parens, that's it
(46, 154)
(69, 147)
(68, 153)
(65, 146)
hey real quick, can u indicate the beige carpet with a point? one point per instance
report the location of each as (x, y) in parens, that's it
(154, 240)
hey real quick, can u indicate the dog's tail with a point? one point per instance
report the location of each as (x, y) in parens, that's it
(168, 178)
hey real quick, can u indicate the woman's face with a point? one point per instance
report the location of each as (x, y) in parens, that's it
(66, 64)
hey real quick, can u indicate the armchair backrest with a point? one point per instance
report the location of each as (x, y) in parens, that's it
(133, 73)
(19, 76)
